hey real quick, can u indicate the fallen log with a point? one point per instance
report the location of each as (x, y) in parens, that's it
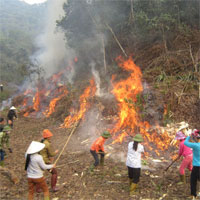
(9, 173)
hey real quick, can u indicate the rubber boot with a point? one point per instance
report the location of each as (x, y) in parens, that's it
(130, 181)
(102, 161)
(46, 198)
(91, 169)
(133, 188)
(2, 163)
(182, 179)
(53, 183)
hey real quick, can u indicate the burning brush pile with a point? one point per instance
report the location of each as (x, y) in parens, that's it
(127, 121)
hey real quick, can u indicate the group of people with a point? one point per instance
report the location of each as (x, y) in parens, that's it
(39, 157)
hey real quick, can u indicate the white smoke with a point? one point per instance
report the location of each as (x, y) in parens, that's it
(54, 53)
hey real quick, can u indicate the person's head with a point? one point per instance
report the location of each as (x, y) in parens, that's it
(33, 148)
(106, 134)
(138, 138)
(7, 129)
(12, 108)
(47, 134)
(197, 135)
(180, 136)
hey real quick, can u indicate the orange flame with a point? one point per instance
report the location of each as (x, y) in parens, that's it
(36, 101)
(53, 102)
(127, 93)
(84, 105)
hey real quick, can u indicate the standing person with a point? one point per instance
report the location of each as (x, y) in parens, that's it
(195, 175)
(34, 167)
(133, 161)
(11, 115)
(4, 140)
(186, 152)
(98, 148)
(48, 153)
(1, 123)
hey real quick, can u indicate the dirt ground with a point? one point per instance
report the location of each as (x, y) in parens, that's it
(75, 180)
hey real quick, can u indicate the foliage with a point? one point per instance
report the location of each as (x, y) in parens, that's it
(19, 25)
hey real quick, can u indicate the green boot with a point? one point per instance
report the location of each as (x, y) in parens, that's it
(91, 169)
(46, 198)
(2, 163)
(102, 161)
(130, 181)
(133, 188)
(182, 179)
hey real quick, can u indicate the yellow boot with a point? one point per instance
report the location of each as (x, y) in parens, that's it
(130, 181)
(133, 188)
(182, 179)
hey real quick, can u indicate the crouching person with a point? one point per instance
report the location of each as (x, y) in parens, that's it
(98, 148)
(48, 153)
(34, 167)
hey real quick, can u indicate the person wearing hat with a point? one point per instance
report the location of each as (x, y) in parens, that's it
(195, 175)
(48, 153)
(11, 115)
(35, 166)
(4, 140)
(186, 152)
(133, 161)
(98, 148)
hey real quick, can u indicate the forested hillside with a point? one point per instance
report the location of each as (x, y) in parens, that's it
(20, 24)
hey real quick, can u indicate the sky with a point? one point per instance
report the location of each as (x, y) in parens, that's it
(34, 1)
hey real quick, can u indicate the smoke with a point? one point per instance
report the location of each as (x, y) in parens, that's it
(53, 53)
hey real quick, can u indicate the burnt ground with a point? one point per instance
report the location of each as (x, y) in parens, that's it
(75, 180)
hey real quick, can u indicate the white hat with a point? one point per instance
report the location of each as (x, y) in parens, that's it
(35, 147)
(12, 108)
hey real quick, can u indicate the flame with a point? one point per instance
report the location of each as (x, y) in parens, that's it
(53, 102)
(127, 93)
(84, 105)
(36, 101)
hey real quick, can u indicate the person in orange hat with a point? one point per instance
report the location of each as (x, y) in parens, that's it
(48, 153)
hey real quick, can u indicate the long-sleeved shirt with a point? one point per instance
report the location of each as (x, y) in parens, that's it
(36, 166)
(48, 152)
(196, 151)
(11, 115)
(134, 157)
(4, 140)
(184, 150)
(98, 144)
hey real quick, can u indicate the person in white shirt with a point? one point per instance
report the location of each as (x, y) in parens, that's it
(133, 161)
(34, 167)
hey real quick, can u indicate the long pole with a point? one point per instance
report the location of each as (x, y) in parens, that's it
(74, 128)
(172, 163)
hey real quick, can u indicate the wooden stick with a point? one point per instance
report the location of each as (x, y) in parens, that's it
(75, 126)
(172, 163)
(104, 54)
(116, 39)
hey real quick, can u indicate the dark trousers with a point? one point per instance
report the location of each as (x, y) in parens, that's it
(2, 154)
(96, 157)
(195, 176)
(134, 173)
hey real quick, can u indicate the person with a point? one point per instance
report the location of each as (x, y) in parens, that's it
(186, 152)
(1, 123)
(195, 175)
(133, 161)
(34, 166)
(4, 139)
(11, 115)
(48, 153)
(98, 148)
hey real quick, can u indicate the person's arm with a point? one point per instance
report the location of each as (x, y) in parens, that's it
(42, 165)
(51, 151)
(188, 143)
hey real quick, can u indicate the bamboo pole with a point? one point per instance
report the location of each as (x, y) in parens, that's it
(116, 39)
(74, 128)
(104, 54)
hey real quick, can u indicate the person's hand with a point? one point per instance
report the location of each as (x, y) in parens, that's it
(56, 151)
(54, 166)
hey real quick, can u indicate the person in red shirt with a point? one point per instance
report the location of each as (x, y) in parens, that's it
(98, 148)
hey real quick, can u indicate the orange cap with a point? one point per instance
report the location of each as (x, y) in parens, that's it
(47, 133)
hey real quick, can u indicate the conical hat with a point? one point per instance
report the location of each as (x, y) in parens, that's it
(35, 147)
(13, 108)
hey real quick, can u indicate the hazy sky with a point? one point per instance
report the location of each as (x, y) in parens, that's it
(34, 1)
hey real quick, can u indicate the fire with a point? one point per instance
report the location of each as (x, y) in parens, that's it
(53, 102)
(84, 105)
(36, 101)
(127, 93)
